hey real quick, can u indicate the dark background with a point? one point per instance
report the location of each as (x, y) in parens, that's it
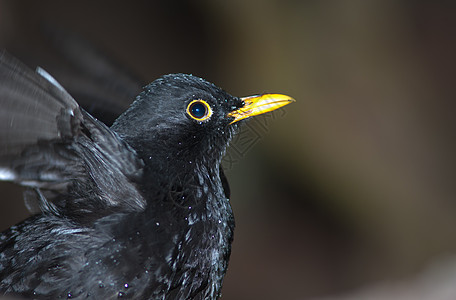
(350, 190)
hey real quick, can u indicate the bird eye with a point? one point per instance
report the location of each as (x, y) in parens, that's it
(199, 110)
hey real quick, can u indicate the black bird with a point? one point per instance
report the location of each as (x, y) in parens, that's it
(139, 210)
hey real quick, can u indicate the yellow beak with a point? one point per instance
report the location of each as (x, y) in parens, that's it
(259, 104)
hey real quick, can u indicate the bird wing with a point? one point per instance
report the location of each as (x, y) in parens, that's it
(47, 142)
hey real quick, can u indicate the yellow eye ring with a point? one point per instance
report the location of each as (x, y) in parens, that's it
(199, 110)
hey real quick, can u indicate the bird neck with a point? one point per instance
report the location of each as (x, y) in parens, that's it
(174, 166)
(183, 183)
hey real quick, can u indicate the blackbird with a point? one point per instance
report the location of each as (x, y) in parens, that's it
(138, 210)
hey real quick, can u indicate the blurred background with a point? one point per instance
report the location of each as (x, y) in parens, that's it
(350, 192)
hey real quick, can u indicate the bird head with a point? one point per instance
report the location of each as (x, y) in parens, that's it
(185, 119)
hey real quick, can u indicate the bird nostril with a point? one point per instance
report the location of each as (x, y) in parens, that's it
(237, 106)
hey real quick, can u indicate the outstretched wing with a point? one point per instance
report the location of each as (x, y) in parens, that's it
(76, 164)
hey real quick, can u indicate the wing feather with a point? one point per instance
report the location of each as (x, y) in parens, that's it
(49, 143)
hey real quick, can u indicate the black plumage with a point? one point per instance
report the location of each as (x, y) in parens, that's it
(139, 210)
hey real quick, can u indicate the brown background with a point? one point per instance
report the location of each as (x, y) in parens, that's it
(352, 185)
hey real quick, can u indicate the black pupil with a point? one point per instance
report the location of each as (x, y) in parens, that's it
(198, 110)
